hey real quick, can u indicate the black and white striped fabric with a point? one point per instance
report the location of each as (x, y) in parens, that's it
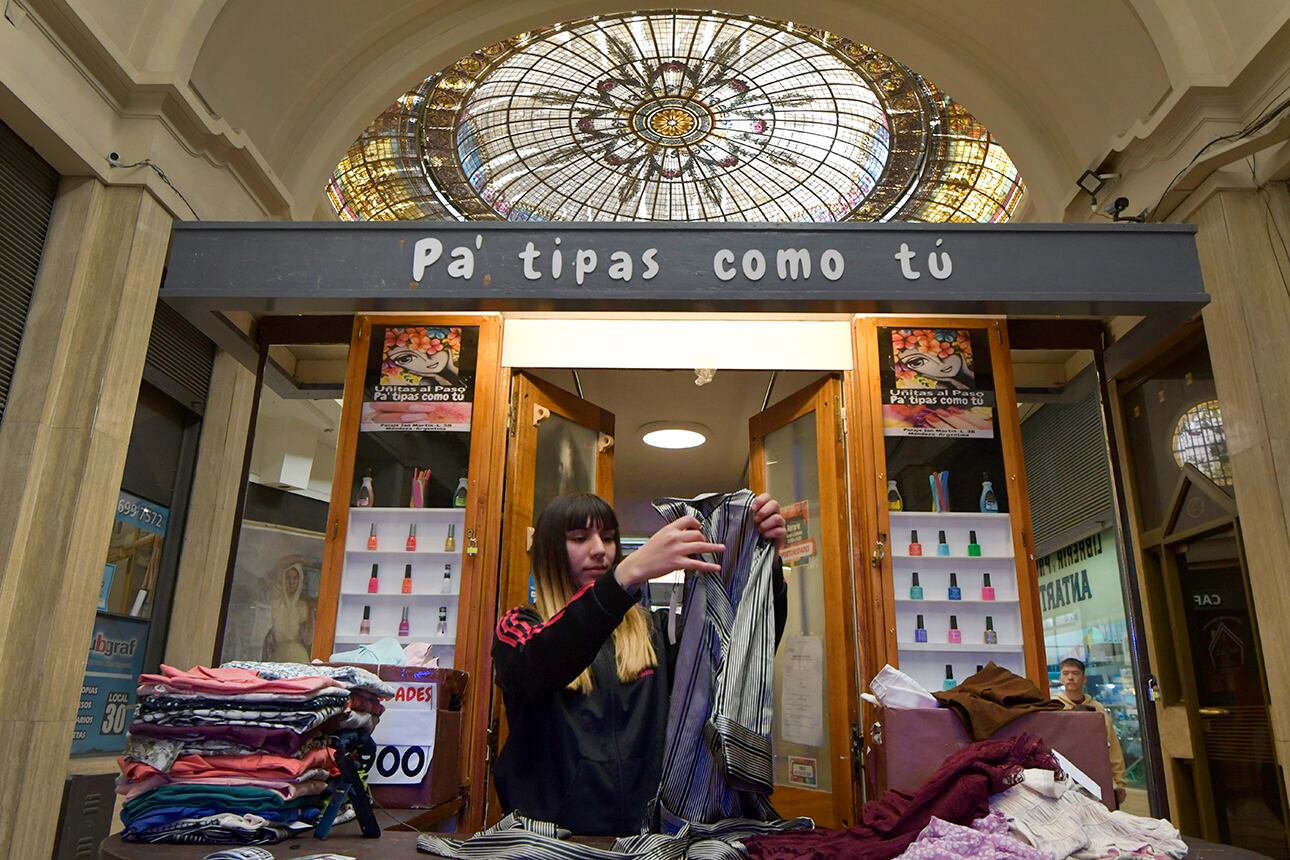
(518, 838)
(717, 762)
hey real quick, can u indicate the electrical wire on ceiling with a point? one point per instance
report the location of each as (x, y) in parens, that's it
(114, 161)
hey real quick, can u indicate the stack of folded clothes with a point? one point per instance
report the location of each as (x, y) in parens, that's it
(237, 755)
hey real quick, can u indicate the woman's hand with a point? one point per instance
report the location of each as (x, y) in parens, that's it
(770, 522)
(672, 547)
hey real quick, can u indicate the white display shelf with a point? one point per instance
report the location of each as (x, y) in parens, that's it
(964, 561)
(941, 601)
(356, 511)
(403, 553)
(950, 648)
(359, 596)
(356, 639)
(946, 515)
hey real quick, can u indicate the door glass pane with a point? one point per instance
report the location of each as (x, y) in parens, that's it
(566, 461)
(801, 740)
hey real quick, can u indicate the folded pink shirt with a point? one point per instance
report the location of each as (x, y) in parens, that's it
(205, 679)
(198, 768)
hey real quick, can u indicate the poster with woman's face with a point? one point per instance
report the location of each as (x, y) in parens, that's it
(274, 595)
(425, 379)
(930, 385)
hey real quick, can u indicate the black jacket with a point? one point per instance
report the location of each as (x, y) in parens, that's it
(589, 763)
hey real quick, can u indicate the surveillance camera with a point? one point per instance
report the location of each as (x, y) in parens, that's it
(114, 158)
(1121, 203)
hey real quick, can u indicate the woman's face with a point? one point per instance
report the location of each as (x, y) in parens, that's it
(418, 362)
(932, 366)
(591, 551)
(292, 578)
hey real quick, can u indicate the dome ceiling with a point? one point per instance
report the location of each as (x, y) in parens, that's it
(676, 116)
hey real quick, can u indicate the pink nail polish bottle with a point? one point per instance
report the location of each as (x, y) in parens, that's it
(915, 548)
(374, 583)
(365, 626)
(411, 545)
(403, 624)
(956, 635)
(987, 590)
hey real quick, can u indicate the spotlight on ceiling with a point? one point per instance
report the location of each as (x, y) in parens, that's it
(674, 434)
(1092, 182)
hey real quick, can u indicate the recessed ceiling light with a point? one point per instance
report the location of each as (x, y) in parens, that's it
(674, 434)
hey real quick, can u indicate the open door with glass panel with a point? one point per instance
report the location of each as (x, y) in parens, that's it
(557, 443)
(797, 455)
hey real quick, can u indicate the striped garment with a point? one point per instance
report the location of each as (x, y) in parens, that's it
(518, 838)
(717, 760)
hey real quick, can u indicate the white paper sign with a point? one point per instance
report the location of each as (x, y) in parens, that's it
(405, 735)
(1080, 777)
(801, 705)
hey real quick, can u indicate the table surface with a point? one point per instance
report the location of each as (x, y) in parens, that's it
(345, 840)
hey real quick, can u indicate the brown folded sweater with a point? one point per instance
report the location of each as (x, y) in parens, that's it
(992, 698)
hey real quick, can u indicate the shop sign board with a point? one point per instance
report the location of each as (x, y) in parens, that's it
(423, 379)
(1059, 268)
(405, 735)
(936, 382)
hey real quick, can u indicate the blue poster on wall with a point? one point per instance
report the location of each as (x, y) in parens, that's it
(108, 691)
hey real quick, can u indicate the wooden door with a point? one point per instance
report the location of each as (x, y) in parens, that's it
(798, 457)
(939, 400)
(557, 443)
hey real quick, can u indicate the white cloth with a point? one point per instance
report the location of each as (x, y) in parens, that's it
(1057, 816)
(895, 689)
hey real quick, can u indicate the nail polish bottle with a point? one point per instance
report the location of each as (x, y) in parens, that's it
(956, 635)
(955, 593)
(920, 632)
(403, 623)
(446, 588)
(371, 537)
(942, 548)
(915, 590)
(991, 637)
(442, 629)
(974, 548)
(950, 683)
(407, 579)
(450, 542)
(411, 545)
(987, 590)
(915, 548)
(373, 584)
(365, 626)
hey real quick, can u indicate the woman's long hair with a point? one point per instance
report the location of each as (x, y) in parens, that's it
(632, 647)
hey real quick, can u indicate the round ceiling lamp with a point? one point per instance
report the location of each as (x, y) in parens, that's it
(674, 434)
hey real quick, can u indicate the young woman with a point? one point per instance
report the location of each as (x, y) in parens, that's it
(586, 673)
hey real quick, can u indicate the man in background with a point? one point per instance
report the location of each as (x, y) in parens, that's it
(1072, 696)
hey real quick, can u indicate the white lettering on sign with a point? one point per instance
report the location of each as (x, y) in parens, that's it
(790, 264)
(1208, 599)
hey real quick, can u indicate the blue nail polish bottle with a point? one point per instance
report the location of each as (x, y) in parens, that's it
(956, 593)
(942, 548)
(920, 632)
(950, 683)
(915, 590)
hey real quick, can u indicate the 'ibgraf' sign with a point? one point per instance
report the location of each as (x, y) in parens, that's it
(414, 265)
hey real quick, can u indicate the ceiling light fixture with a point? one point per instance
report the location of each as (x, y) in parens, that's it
(674, 434)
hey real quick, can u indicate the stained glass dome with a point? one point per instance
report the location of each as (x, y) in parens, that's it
(676, 116)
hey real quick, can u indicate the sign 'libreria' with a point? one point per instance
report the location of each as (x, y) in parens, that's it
(556, 262)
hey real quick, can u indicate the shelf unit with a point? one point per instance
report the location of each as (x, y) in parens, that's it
(428, 598)
(926, 661)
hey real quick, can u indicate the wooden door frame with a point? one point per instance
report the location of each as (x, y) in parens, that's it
(477, 599)
(871, 485)
(824, 398)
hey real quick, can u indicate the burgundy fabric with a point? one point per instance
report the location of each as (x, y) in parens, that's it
(959, 792)
(273, 741)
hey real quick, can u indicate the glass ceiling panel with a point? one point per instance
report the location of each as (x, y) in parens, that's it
(676, 116)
